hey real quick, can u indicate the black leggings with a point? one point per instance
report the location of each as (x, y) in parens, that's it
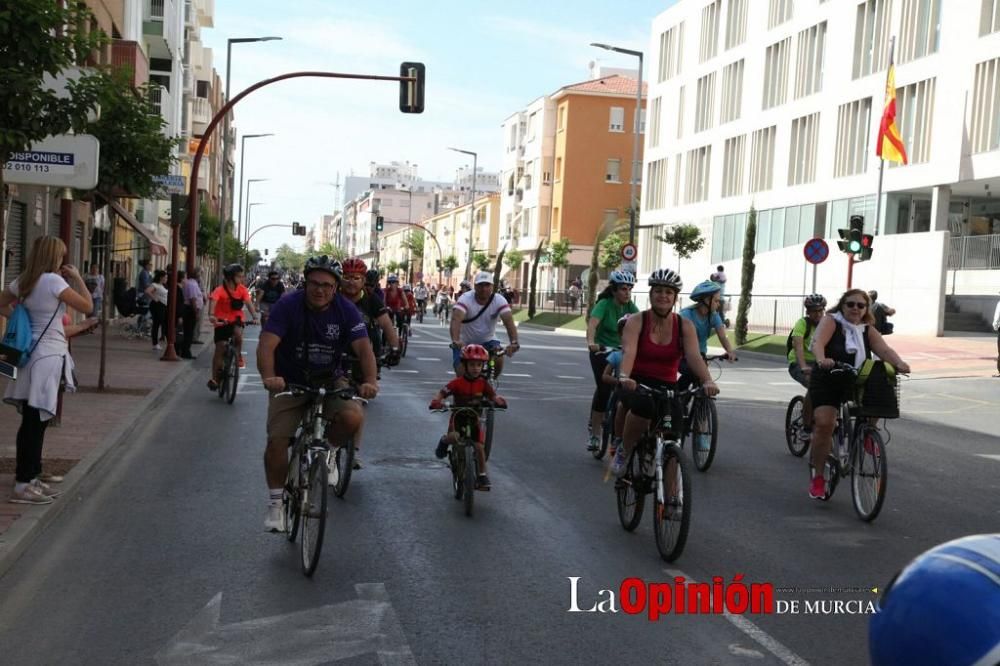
(30, 436)
(159, 312)
(598, 361)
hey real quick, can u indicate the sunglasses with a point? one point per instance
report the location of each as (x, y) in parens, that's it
(860, 305)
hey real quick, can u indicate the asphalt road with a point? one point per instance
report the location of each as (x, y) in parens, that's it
(163, 557)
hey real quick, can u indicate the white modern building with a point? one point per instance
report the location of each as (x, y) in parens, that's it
(777, 104)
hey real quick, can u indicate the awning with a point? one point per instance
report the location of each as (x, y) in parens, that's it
(155, 246)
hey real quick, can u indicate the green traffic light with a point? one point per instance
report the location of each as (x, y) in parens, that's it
(855, 246)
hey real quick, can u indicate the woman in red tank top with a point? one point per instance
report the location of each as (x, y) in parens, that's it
(653, 344)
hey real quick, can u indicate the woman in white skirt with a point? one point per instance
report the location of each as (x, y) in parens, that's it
(46, 287)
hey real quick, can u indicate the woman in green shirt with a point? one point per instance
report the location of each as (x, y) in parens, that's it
(602, 333)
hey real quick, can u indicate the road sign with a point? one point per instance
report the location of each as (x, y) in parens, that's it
(66, 160)
(816, 251)
(171, 184)
(629, 266)
(629, 252)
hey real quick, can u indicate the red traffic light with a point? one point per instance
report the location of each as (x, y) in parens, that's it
(867, 240)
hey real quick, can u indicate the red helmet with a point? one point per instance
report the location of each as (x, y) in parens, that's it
(354, 266)
(475, 353)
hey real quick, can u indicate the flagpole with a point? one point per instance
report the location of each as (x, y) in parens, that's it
(881, 166)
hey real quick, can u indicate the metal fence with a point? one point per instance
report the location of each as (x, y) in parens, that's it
(975, 252)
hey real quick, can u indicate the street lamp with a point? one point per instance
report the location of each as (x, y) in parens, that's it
(239, 211)
(472, 206)
(225, 138)
(246, 246)
(246, 230)
(633, 203)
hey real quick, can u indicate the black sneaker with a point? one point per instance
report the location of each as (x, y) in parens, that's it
(442, 449)
(482, 482)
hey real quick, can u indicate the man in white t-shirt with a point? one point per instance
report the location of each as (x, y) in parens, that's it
(474, 321)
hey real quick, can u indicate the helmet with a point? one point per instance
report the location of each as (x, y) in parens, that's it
(392, 279)
(323, 263)
(943, 608)
(272, 274)
(371, 276)
(407, 287)
(355, 266)
(622, 277)
(230, 271)
(465, 284)
(664, 277)
(814, 301)
(706, 288)
(484, 277)
(475, 353)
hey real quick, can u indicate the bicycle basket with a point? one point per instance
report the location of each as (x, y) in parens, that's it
(878, 390)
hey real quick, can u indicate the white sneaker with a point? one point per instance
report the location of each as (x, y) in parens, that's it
(157, 347)
(275, 519)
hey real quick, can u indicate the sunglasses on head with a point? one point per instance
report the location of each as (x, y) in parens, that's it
(855, 304)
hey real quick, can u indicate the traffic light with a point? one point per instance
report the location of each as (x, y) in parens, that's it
(265, 251)
(867, 241)
(379, 223)
(411, 93)
(437, 262)
(851, 238)
(298, 229)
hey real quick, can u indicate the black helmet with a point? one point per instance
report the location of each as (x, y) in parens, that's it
(274, 274)
(323, 263)
(371, 276)
(230, 271)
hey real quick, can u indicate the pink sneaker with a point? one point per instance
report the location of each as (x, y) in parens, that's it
(817, 488)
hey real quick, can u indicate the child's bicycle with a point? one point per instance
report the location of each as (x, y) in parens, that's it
(462, 458)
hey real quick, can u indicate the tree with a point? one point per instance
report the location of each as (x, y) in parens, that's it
(287, 257)
(332, 251)
(559, 254)
(40, 38)
(746, 278)
(481, 261)
(533, 280)
(513, 259)
(415, 243)
(611, 250)
(392, 266)
(685, 239)
(608, 228)
(449, 263)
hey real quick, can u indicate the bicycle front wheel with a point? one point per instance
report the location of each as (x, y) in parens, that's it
(313, 510)
(794, 426)
(469, 482)
(869, 473)
(704, 433)
(233, 376)
(404, 341)
(224, 379)
(341, 467)
(631, 499)
(488, 438)
(672, 517)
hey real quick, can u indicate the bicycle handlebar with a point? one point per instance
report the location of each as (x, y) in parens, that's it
(667, 393)
(719, 357)
(346, 393)
(483, 404)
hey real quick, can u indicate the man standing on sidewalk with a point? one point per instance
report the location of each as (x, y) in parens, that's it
(193, 299)
(201, 313)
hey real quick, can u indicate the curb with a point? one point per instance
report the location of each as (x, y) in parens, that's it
(552, 329)
(23, 532)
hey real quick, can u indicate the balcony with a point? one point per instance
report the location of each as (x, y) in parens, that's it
(201, 111)
(162, 104)
(129, 57)
(190, 14)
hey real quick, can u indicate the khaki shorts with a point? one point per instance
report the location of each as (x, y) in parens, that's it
(285, 413)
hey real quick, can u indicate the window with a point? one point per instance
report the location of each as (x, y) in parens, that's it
(732, 166)
(779, 12)
(989, 17)
(699, 163)
(642, 121)
(709, 46)
(202, 89)
(736, 23)
(512, 144)
(656, 186)
(654, 127)
(731, 102)
(671, 49)
(914, 115)
(762, 159)
(612, 172)
(677, 179)
(680, 112)
(555, 220)
(704, 110)
(802, 153)
(920, 29)
(809, 64)
(617, 121)
(852, 137)
(559, 170)
(776, 73)
(546, 178)
(561, 118)
(986, 107)
(532, 121)
(871, 37)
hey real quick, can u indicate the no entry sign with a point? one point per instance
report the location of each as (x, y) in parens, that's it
(816, 251)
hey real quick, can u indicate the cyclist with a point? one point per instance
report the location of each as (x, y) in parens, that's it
(225, 312)
(800, 356)
(442, 302)
(305, 339)
(371, 284)
(942, 608)
(602, 332)
(474, 321)
(411, 304)
(463, 287)
(654, 344)
(395, 300)
(268, 293)
(704, 314)
(420, 294)
(846, 334)
(469, 387)
(372, 309)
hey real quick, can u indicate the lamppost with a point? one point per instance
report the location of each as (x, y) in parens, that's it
(633, 203)
(239, 210)
(225, 139)
(472, 206)
(246, 229)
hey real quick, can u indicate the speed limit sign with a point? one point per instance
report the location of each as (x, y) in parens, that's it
(629, 252)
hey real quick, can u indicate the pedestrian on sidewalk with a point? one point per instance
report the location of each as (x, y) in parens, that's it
(142, 284)
(95, 283)
(44, 288)
(193, 298)
(881, 312)
(200, 319)
(157, 293)
(996, 327)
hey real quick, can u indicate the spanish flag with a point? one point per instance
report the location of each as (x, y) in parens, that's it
(889, 145)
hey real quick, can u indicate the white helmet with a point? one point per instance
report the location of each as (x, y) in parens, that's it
(483, 277)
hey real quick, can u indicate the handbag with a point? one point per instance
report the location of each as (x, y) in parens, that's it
(878, 390)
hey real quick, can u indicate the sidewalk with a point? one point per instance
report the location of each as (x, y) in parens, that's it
(93, 423)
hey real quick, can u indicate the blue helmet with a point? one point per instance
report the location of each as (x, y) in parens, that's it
(943, 608)
(706, 288)
(622, 277)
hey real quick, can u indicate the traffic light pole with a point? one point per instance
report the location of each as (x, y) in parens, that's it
(850, 270)
(246, 247)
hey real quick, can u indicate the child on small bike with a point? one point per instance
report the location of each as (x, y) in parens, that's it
(471, 388)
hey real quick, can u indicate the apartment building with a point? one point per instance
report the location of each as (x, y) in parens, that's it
(777, 104)
(449, 236)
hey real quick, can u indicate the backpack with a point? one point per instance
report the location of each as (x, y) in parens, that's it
(788, 341)
(16, 347)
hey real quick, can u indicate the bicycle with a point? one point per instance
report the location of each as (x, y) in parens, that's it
(863, 458)
(798, 439)
(490, 373)
(462, 458)
(309, 468)
(421, 310)
(403, 328)
(657, 465)
(230, 371)
(701, 422)
(444, 312)
(608, 423)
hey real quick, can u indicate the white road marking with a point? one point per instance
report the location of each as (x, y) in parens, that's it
(566, 363)
(753, 631)
(568, 377)
(525, 363)
(424, 358)
(991, 456)
(511, 374)
(730, 383)
(786, 383)
(409, 372)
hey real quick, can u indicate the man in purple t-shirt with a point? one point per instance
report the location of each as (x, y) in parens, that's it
(306, 336)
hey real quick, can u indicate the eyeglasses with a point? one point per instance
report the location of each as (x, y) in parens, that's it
(325, 286)
(860, 305)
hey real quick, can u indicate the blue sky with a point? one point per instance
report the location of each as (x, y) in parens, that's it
(484, 61)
